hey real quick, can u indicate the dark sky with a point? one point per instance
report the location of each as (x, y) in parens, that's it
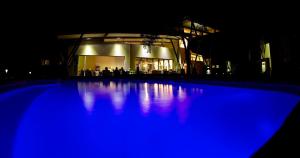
(113, 16)
(30, 30)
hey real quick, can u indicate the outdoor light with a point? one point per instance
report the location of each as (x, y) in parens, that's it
(263, 66)
(118, 50)
(6, 71)
(89, 50)
(29, 72)
(208, 72)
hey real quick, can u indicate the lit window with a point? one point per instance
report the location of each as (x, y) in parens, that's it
(181, 44)
(161, 64)
(199, 57)
(171, 64)
(166, 64)
(155, 64)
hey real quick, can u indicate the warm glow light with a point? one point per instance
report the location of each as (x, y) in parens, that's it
(171, 64)
(166, 64)
(156, 65)
(181, 44)
(164, 52)
(145, 49)
(228, 65)
(208, 72)
(199, 57)
(263, 66)
(145, 66)
(267, 54)
(89, 50)
(267, 50)
(117, 50)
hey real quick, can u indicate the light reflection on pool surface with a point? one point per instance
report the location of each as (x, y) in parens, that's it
(145, 119)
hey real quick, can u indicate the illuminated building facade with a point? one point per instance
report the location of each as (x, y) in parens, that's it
(151, 54)
(127, 51)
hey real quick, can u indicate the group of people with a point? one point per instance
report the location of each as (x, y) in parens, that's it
(106, 72)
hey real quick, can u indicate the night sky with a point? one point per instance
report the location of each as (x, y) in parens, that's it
(30, 32)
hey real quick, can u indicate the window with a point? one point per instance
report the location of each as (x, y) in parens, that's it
(150, 64)
(199, 57)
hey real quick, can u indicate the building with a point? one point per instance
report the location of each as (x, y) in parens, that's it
(151, 54)
(125, 50)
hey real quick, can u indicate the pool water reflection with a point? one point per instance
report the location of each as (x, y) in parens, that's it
(158, 98)
(148, 119)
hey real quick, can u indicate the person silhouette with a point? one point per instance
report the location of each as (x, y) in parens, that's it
(122, 71)
(116, 72)
(106, 72)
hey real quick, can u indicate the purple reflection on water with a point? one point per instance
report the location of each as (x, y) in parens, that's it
(144, 99)
(87, 96)
(160, 99)
(92, 92)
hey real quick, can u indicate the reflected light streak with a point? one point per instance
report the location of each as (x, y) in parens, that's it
(158, 96)
(145, 100)
(182, 107)
(89, 101)
(165, 99)
(155, 86)
(181, 94)
(118, 101)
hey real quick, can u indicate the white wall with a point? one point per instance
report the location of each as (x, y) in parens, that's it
(102, 61)
(106, 50)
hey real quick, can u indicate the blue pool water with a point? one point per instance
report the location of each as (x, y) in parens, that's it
(138, 120)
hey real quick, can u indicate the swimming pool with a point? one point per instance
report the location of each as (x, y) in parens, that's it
(138, 120)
